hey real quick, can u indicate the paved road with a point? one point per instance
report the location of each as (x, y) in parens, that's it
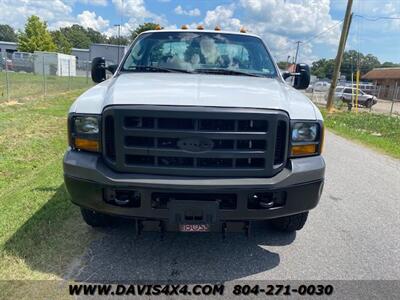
(353, 234)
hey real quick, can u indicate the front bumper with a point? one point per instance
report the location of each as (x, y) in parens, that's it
(87, 177)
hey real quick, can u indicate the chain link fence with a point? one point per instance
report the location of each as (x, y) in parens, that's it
(27, 76)
(388, 101)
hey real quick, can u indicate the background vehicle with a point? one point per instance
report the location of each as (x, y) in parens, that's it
(5, 63)
(346, 94)
(320, 86)
(22, 61)
(196, 131)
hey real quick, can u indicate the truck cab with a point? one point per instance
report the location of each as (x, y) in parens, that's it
(196, 130)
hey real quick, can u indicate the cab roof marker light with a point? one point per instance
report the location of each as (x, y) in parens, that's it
(184, 27)
(200, 27)
(243, 30)
(158, 27)
(217, 28)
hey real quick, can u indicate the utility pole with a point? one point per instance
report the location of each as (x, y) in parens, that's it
(339, 56)
(297, 51)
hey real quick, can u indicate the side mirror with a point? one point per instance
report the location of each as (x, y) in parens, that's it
(112, 68)
(302, 79)
(286, 75)
(98, 69)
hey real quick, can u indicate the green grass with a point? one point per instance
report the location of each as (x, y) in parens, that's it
(40, 230)
(27, 86)
(375, 130)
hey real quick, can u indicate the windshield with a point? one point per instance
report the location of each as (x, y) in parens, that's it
(231, 54)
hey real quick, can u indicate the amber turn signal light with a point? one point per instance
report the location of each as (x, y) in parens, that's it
(88, 145)
(299, 150)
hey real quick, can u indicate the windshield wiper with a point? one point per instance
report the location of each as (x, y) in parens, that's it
(141, 68)
(226, 72)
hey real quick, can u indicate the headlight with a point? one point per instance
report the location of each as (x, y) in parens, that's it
(304, 132)
(84, 132)
(306, 139)
(86, 125)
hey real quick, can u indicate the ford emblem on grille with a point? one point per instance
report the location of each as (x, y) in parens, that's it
(195, 144)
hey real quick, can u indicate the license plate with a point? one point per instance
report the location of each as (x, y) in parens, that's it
(194, 227)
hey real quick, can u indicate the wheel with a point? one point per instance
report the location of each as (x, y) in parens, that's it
(95, 219)
(290, 223)
(368, 103)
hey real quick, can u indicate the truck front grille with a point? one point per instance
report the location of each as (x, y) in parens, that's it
(195, 141)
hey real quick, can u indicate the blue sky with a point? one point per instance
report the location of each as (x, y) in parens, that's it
(279, 22)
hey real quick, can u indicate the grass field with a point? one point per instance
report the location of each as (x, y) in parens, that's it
(378, 131)
(40, 230)
(26, 86)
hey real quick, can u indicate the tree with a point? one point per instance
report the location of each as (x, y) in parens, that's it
(62, 44)
(352, 60)
(80, 37)
(144, 27)
(389, 64)
(7, 33)
(77, 36)
(35, 37)
(323, 68)
(95, 36)
(115, 40)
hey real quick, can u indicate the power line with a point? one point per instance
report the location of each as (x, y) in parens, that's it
(374, 19)
(326, 30)
(293, 48)
(368, 18)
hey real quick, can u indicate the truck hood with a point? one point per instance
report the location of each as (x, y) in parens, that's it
(196, 90)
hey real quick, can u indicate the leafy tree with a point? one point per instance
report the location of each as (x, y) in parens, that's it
(7, 33)
(323, 68)
(62, 44)
(144, 27)
(80, 37)
(352, 60)
(35, 36)
(77, 36)
(115, 40)
(389, 64)
(95, 36)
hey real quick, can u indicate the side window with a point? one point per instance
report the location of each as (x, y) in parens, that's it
(347, 91)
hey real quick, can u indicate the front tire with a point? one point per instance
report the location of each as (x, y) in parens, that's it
(290, 223)
(369, 103)
(95, 219)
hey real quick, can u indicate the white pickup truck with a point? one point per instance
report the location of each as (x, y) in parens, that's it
(196, 130)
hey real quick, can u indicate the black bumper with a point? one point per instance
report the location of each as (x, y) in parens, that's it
(87, 178)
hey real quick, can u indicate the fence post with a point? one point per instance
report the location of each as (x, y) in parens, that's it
(44, 78)
(87, 72)
(7, 83)
(394, 96)
(69, 75)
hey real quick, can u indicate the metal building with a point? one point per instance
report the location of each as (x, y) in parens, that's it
(112, 53)
(7, 48)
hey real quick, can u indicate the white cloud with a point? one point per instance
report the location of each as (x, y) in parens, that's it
(90, 20)
(192, 12)
(280, 23)
(222, 16)
(136, 13)
(15, 12)
(94, 2)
